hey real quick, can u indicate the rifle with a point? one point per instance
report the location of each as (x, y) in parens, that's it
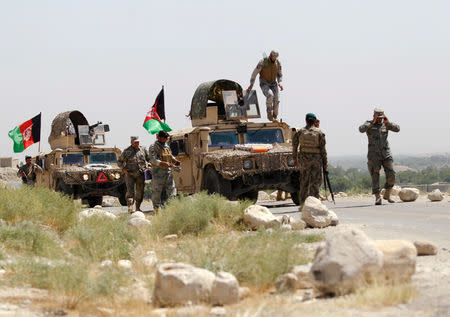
(326, 180)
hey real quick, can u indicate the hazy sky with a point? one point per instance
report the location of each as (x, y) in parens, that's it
(108, 59)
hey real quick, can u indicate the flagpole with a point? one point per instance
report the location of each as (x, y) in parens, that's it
(164, 102)
(40, 133)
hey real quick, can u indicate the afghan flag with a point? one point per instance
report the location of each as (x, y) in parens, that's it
(152, 122)
(26, 134)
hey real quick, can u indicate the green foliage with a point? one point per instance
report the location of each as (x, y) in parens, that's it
(428, 175)
(193, 214)
(99, 238)
(257, 258)
(109, 281)
(38, 205)
(28, 238)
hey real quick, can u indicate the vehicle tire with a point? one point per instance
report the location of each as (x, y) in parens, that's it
(122, 199)
(215, 183)
(62, 187)
(295, 198)
(251, 195)
(94, 201)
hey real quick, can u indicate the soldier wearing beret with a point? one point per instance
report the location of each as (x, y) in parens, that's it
(134, 162)
(312, 157)
(379, 153)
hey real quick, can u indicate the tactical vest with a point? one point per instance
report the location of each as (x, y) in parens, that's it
(165, 154)
(309, 140)
(269, 71)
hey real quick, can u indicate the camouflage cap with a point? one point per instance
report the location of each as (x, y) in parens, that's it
(379, 111)
(134, 138)
(311, 115)
(274, 53)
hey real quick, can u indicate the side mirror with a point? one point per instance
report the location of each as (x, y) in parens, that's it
(174, 147)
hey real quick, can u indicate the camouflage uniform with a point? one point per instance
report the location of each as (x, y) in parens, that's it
(313, 156)
(162, 178)
(30, 173)
(135, 161)
(270, 75)
(379, 153)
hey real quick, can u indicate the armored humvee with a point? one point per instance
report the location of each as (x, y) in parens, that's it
(223, 152)
(76, 166)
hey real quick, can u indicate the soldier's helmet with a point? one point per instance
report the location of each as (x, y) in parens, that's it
(379, 111)
(274, 53)
(134, 138)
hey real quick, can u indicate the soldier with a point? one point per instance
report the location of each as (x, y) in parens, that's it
(270, 77)
(379, 153)
(162, 162)
(134, 162)
(28, 172)
(313, 156)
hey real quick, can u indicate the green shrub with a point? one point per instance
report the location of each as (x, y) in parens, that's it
(257, 258)
(193, 214)
(38, 205)
(109, 281)
(99, 238)
(29, 238)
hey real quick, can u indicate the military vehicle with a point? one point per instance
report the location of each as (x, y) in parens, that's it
(76, 166)
(223, 152)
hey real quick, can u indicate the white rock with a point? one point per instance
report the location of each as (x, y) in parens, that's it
(315, 214)
(98, 207)
(399, 259)
(425, 248)
(395, 190)
(286, 283)
(334, 218)
(297, 223)
(263, 196)
(170, 237)
(180, 283)
(150, 259)
(225, 289)
(106, 263)
(218, 311)
(260, 216)
(304, 278)
(138, 222)
(408, 194)
(436, 195)
(274, 195)
(2, 271)
(125, 264)
(108, 202)
(87, 213)
(348, 261)
(138, 214)
(243, 292)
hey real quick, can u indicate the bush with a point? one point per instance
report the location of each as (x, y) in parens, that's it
(99, 238)
(38, 205)
(193, 214)
(109, 281)
(29, 238)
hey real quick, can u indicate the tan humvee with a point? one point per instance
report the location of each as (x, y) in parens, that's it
(76, 166)
(223, 152)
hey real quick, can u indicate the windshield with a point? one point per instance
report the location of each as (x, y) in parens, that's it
(223, 139)
(73, 159)
(102, 158)
(267, 136)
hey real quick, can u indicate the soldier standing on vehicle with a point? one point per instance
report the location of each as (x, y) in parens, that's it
(134, 162)
(270, 77)
(162, 162)
(379, 153)
(313, 156)
(28, 172)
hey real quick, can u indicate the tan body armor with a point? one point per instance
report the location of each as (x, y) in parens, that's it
(165, 154)
(269, 71)
(309, 140)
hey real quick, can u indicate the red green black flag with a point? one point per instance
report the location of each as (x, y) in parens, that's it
(152, 122)
(26, 134)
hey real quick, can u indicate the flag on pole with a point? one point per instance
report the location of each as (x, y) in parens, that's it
(26, 134)
(152, 122)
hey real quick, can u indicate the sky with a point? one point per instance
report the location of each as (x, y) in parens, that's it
(341, 59)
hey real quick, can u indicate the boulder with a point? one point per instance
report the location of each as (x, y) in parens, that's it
(263, 196)
(347, 261)
(180, 283)
(137, 214)
(408, 194)
(425, 248)
(87, 213)
(138, 221)
(286, 283)
(260, 216)
(244, 292)
(225, 289)
(304, 278)
(108, 202)
(436, 195)
(315, 214)
(125, 264)
(106, 263)
(334, 218)
(150, 259)
(218, 311)
(170, 237)
(399, 259)
(394, 190)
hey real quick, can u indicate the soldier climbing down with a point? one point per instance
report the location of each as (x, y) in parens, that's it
(270, 77)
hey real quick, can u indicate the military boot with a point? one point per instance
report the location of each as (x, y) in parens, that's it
(269, 115)
(387, 196)
(138, 205)
(377, 199)
(130, 205)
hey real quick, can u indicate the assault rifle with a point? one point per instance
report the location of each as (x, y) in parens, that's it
(326, 180)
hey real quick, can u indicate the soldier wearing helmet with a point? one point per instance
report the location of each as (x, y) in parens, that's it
(379, 153)
(270, 77)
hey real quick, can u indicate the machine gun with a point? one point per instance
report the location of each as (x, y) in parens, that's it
(326, 180)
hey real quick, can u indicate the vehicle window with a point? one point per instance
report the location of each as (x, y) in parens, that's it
(73, 159)
(223, 139)
(266, 136)
(102, 158)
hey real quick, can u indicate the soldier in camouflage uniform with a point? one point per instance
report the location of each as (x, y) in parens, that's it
(313, 156)
(28, 172)
(162, 162)
(379, 153)
(270, 77)
(134, 161)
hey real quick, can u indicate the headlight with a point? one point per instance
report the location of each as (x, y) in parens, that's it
(85, 177)
(291, 162)
(117, 175)
(248, 164)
